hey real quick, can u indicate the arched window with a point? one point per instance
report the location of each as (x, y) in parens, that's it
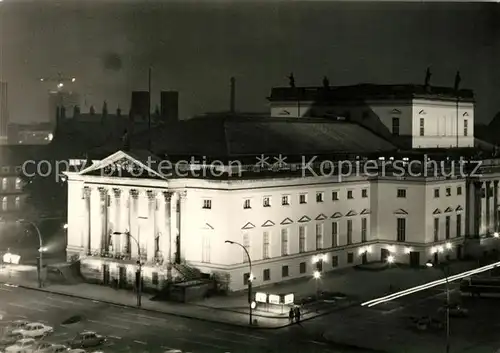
(4, 184)
(18, 202)
(18, 184)
(4, 204)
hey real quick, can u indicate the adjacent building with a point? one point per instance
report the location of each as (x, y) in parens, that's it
(4, 113)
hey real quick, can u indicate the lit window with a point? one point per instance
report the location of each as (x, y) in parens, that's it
(18, 184)
(319, 236)
(246, 245)
(4, 204)
(284, 242)
(302, 239)
(18, 202)
(265, 245)
(4, 184)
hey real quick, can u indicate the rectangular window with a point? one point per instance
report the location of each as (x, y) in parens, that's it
(401, 193)
(335, 261)
(466, 127)
(436, 193)
(284, 271)
(265, 245)
(319, 236)
(335, 196)
(246, 204)
(266, 274)
(319, 197)
(284, 242)
(302, 239)
(302, 267)
(436, 229)
(447, 227)
(207, 204)
(266, 201)
(285, 200)
(350, 258)
(363, 229)
(401, 229)
(395, 126)
(459, 190)
(364, 193)
(302, 198)
(349, 194)
(422, 127)
(448, 191)
(459, 226)
(349, 232)
(335, 234)
(246, 245)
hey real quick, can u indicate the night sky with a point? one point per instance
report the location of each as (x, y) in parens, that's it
(195, 47)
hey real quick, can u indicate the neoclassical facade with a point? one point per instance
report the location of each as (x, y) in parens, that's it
(290, 225)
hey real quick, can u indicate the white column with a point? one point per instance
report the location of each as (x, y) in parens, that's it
(151, 229)
(87, 218)
(483, 227)
(166, 240)
(174, 229)
(133, 221)
(103, 206)
(182, 224)
(125, 206)
(116, 214)
(95, 221)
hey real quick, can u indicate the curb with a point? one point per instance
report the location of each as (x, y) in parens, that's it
(150, 310)
(184, 316)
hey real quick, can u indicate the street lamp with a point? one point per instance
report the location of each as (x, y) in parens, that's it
(390, 259)
(317, 276)
(446, 272)
(41, 249)
(139, 270)
(250, 277)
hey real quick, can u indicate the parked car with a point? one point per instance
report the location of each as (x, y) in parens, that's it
(9, 339)
(87, 339)
(456, 310)
(24, 345)
(45, 347)
(35, 330)
(15, 327)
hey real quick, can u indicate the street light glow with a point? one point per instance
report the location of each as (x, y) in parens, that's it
(44, 249)
(390, 259)
(391, 248)
(408, 250)
(448, 246)
(496, 235)
(317, 275)
(65, 226)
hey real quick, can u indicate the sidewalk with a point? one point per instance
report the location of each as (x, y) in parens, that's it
(358, 285)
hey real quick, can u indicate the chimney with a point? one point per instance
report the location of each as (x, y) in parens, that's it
(232, 103)
(169, 106)
(139, 106)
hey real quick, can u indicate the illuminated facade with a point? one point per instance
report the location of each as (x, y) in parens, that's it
(291, 225)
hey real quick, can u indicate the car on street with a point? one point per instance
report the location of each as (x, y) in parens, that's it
(35, 330)
(24, 345)
(15, 327)
(45, 347)
(456, 310)
(87, 339)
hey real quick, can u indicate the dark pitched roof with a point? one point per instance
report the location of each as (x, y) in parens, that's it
(367, 91)
(228, 136)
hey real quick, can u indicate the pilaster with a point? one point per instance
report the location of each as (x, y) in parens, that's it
(151, 225)
(166, 244)
(87, 232)
(134, 227)
(116, 214)
(103, 203)
(495, 206)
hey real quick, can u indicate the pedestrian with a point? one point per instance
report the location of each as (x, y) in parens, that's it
(297, 314)
(291, 314)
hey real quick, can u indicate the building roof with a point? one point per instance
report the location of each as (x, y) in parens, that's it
(367, 91)
(17, 155)
(226, 136)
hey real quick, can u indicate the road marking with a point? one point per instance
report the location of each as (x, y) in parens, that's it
(316, 342)
(226, 340)
(169, 348)
(26, 307)
(240, 334)
(110, 325)
(115, 337)
(140, 342)
(129, 321)
(201, 343)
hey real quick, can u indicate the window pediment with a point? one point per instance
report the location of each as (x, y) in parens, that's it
(459, 208)
(304, 219)
(286, 221)
(248, 226)
(448, 209)
(351, 213)
(365, 211)
(321, 217)
(337, 215)
(437, 211)
(268, 223)
(396, 111)
(400, 212)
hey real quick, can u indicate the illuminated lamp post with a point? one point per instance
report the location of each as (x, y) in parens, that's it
(446, 271)
(250, 277)
(139, 268)
(41, 249)
(317, 276)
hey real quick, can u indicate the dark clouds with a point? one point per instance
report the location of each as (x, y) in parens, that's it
(196, 47)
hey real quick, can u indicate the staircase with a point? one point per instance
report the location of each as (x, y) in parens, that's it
(187, 273)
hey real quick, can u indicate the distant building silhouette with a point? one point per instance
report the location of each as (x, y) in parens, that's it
(4, 112)
(169, 105)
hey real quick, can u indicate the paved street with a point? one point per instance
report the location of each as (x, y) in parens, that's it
(133, 330)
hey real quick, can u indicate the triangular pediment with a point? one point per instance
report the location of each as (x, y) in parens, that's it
(321, 217)
(337, 215)
(400, 211)
(459, 208)
(448, 209)
(304, 219)
(422, 112)
(395, 111)
(436, 211)
(351, 213)
(125, 165)
(286, 221)
(207, 226)
(365, 211)
(248, 226)
(268, 223)
(465, 114)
